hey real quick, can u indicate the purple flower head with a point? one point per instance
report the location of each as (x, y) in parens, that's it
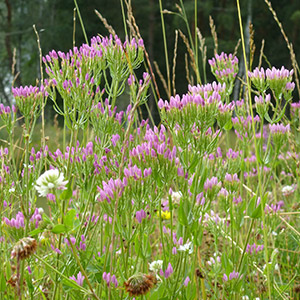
(140, 215)
(131, 79)
(110, 279)
(79, 279)
(210, 183)
(168, 271)
(186, 281)
(279, 128)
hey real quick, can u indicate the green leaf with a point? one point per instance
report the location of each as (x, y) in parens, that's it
(66, 194)
(71, 283)
(252, 206)
(267, 117)
(182, 216)
(256, 213)
(228, 125)
(35, 231)
(69, 219)
(146, 246)
(2, 282)
(268, 157)
(59, 228)
(46, 219)
(185, 215)
(30, 285)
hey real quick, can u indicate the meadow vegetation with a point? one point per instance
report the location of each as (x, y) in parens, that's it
(203, 205)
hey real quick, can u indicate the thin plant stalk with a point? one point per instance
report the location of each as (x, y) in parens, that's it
(256, 149)
(165, 46)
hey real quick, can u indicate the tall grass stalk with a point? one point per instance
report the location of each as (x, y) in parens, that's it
(260, 188)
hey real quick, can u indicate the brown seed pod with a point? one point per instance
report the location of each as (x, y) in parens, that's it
(24, 248)
(140, 284)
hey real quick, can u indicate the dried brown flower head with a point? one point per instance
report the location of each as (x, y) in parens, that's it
(140, 284)
(24, 248)
(13, 281)
(199, 273)
(297, 288)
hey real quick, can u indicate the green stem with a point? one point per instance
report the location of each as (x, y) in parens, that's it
(124, 18)
(245, 246)
(81, 22)
(82, 269)
(256, 150)
(60, 274)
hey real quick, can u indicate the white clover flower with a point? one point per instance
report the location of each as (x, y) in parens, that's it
(186, 247)
(288, 190)
(176, 196)
(51, 179)
(156, 266)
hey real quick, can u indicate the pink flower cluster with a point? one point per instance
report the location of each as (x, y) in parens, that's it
(210, 183)
(140, 215)
(136, 173)
(29, 91)
(110, 279)
(108, 190)
(232, 275)
(5, 110)
(254, 248)
(79, 279)
(19, 220)
(224, 65)
(167, 272)
(279, 128)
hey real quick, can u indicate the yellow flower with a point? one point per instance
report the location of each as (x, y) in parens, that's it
(165, 215)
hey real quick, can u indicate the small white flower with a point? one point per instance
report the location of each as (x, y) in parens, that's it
(186, 247)
(49, 180)
(288, 190)
(176, 196)
(156, 266)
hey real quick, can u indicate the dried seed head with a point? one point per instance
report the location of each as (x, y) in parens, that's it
(199, 273)
(24, 248)
(140, 284)
(13, 281)
(297, 288)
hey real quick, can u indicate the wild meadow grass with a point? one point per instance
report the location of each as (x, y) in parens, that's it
(204, 205)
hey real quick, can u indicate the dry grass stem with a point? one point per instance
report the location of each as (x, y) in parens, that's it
(190, 51)
(187, 72)
(203, 50)
(237, 47)
(289, 45)
(162, 79)
(179, 8)
(261, 53)
(252, 45)
(135, 29)
(174, 62)
(213, 33)
(105, 23)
